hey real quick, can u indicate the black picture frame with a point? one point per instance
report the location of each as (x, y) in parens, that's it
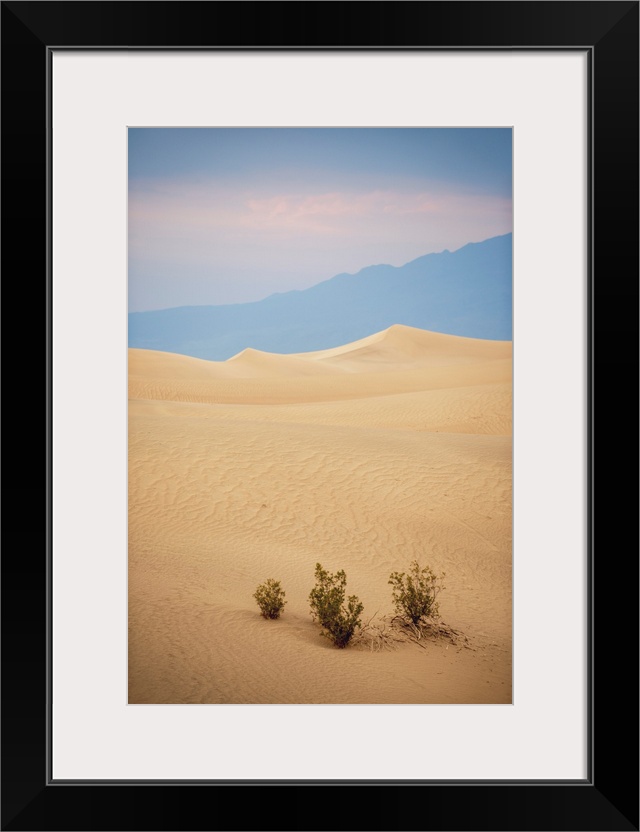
(608, 798)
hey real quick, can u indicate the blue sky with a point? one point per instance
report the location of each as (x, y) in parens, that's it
(232, 215)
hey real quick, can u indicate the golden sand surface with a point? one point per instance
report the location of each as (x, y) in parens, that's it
(363, 458)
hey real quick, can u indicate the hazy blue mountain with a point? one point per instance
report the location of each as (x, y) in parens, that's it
(465, 292)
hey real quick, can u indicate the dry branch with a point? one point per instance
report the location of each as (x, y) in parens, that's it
(386, 633)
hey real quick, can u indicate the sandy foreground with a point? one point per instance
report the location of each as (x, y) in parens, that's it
(362, 458)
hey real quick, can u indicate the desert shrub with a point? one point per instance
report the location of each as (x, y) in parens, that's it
(328, 606)
(270, 598)
(414, 594)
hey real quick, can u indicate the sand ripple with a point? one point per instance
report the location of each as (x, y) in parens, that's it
(362, 471)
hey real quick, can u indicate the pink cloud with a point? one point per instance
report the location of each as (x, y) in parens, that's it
(335, 230)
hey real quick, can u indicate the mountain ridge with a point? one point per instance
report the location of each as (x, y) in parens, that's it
(467, 292)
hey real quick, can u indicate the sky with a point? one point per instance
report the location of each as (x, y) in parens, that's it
(230, 215)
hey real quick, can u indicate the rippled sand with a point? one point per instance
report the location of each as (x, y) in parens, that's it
(363, 457)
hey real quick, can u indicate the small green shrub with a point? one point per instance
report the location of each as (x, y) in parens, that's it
(327, 605)
(270, 598)
(414, 594)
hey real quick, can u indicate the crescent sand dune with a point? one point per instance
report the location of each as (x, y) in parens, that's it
(363, 458)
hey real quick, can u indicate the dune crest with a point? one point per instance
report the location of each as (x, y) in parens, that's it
(252, 363)
(400, 342)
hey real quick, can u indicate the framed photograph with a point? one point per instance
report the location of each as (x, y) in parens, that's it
(152, 148)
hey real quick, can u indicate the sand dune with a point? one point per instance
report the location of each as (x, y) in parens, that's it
(399, 360)
(363, 457)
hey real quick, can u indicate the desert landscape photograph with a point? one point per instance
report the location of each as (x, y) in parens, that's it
(320, 416)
